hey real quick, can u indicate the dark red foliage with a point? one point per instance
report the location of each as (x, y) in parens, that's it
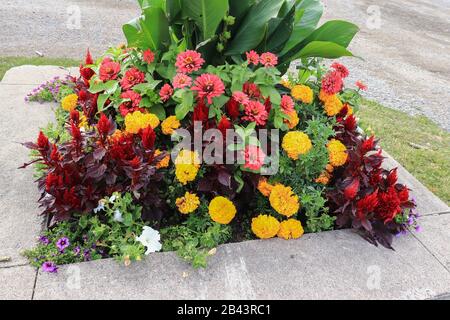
(367, 196)
(93, 165)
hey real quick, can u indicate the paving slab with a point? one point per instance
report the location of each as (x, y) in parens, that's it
(427, 201)
(328, 265)
(17, 283)
(435, 236)
(20, 122)
(35, 75)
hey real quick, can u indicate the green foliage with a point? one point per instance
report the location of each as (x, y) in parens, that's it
(223, 30)
(316, 212)
(196, 238)
(113, 234)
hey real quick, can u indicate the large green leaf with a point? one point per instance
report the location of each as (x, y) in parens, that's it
(207, 14)
(150, 31)
(239, 8)
(254, 27)
(337, 31)
(151, 3)
(280, 28)
(173, 9)
(323, 49)
(307, 16)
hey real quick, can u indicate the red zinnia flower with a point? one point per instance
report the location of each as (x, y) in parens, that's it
(148, 56)
(287, 104)
(268, 59)
(332, 83)
(254, 157)
(361, 85)
(166, 92)
(252, 57)
(341, 69)
(251, 90)
(108, 69)
(256, 112)
(209, 86)
(189, 61)
(131, 78)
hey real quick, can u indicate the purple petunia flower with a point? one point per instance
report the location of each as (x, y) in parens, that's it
(44, 240)
(87, 255)
(76, 250)
(50, 267)
(62, 243)
(418, 228)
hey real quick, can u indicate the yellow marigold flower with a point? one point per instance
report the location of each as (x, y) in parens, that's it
(286, 83)
(290, 229)
(296, 143)
(284, 201)
(302, 93)
(187, 157)
(333, 105)
(265, 226)
(264, 187)
(170, 125)
(323, 96)
(221, 210)
(337, 153)
(324, 178)
(188, 203)
(186, 173)
(164, 162)
(69, 102)
(293, 120)
(137, 120)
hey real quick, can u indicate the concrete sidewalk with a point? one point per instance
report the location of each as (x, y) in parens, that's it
(328, 265)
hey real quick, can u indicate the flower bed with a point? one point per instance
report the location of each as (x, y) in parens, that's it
(192, 135)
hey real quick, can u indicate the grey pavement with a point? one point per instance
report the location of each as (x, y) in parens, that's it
(328, 265)
(405, 44)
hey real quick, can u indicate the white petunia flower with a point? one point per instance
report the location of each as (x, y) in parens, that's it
(101, 206)
(150, 238)
(118, 216)
(112, 198)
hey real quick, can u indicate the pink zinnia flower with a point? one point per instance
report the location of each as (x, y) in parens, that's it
(131, 78)
(341, 69)
(361, 85)
(252, 57)
(269, 59)
(255, 111)
(166, 92)
(287, 104)
(181, 81)
(332, 83)
(108, 69)
(240, 97)
(149, 56)
(208, 86)
(254, 157)
(189, 61)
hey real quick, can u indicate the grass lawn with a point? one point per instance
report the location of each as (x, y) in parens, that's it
(7, 63)
(416, 142)
(421, 146)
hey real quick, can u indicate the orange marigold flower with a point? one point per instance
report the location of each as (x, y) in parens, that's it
(169, 125)
(293, 120)
(284, 201)
(302, 93)
(333, 105)
(164, 162)
(188, 203)
(264, 187)
(221, 210)
(265, 226)
(324, 178)
(337, 153)
(290, 229)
